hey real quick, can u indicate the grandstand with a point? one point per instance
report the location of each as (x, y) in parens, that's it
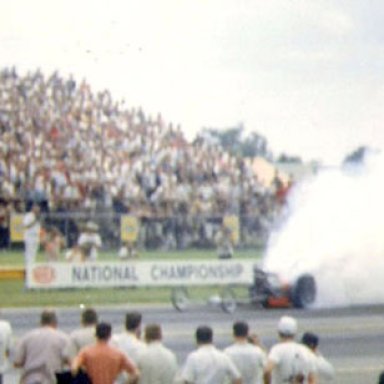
(83, 155)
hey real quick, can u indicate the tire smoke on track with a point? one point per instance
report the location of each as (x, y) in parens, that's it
(334, 229)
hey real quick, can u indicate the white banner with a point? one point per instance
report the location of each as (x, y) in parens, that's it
(139, 273)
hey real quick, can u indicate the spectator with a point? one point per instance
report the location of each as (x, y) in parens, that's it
(128, 251)
(289, 361)
(224, 242)
(75, 254)
(6, 344)
(90, 241)
(53, 243)
(208, 365)
(103, 362)
(32, 227)
(129, 341)
(157, 364)
(249, 359)
(83, 336)
(4, 223)
(254, 339)
(324, 369)
(40, 352)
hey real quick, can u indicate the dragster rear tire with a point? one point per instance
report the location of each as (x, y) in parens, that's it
(304, 291)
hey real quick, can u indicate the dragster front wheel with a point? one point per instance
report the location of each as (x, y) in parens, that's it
(228, 300)
(180, 298)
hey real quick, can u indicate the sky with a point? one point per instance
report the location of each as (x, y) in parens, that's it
(307, 75)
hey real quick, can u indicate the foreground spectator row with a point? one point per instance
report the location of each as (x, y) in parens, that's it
(47, 355)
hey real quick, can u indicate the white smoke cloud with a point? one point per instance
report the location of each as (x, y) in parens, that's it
(335, 230)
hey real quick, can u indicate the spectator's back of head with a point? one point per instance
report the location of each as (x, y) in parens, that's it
(204, 335)
(310, 339)
(152, 332)
(103, 331)
(89, 317)
(132, 320)
(48, 317)
(287, 326)
(240, 329)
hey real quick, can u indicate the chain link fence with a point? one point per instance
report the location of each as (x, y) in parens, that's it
(166, 233)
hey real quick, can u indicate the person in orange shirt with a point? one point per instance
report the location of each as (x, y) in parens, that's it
(103, 362)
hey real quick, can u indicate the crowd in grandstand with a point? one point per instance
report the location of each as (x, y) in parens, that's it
(72, 150)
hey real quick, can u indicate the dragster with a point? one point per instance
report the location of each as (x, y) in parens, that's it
(268, 291)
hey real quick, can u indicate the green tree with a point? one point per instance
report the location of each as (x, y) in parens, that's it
(234, 141)
(284, 158)
(357, 156)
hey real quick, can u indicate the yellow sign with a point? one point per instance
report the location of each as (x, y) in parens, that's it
(16, 228)
(232, 222)
(129, 228)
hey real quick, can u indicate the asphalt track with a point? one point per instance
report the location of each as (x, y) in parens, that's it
(351, 338)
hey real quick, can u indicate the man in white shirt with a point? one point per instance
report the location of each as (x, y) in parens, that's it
(5, 346)
(324, 369)
(90, 241)
(207, 364)
(84, 336)
(249, 359)
(289, 361)
(129, 341)
(32, 227)
(157, 364)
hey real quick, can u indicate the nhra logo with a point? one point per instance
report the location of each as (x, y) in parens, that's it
(44, 274)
